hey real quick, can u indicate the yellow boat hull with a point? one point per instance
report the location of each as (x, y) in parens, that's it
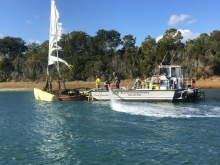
(42, 95)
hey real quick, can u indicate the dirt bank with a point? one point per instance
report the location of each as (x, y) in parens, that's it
(213, 82)
(73, 84)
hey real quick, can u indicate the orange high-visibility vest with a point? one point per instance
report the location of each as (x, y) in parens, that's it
(192, 83)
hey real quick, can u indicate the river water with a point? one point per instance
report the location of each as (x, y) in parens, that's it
(38, 132)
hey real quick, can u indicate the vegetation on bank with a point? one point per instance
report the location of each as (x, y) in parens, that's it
(107, 52)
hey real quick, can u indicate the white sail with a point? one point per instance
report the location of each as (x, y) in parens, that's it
(53, 59)
(55, 35)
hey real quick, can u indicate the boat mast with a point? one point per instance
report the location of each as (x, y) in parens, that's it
(58, 68)
(55, 35)
(48, 73)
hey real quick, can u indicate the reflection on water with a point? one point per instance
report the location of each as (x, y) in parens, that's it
(49, 129)
(38, 132)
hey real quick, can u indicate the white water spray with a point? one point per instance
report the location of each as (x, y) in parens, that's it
(164, 109)
(114, 104)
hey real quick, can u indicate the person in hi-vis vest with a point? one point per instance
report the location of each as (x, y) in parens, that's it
(97, 82)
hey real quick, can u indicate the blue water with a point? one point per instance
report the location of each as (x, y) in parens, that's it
(38, 132)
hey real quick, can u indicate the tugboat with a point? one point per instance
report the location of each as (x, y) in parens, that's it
(169, 85)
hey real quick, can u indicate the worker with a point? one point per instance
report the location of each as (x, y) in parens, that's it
(117, 79)
(97, 82)
(137, 83)
(107, 84)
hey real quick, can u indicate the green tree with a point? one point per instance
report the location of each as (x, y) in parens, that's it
(171, 40)
(107, 40)
(129, 42)
(5, 68)
(12, 47)
(147, 56)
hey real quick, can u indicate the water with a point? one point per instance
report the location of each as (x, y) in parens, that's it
(38, 132)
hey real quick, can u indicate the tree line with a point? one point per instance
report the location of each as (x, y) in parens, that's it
(107, 52)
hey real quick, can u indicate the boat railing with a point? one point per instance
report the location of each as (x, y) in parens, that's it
(172, 83)
(186, 82)
(159, 83)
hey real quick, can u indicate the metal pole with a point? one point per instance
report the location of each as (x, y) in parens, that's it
(164, 57)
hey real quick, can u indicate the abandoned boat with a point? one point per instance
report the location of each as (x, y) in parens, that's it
(47, 93)
(169, 85)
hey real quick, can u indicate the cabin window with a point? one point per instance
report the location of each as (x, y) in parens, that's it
(182, 72)
(164, 70)
(175, 72)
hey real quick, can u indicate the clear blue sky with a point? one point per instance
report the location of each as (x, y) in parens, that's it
(30, 19)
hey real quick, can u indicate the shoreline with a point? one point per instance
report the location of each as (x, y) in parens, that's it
(15, 89)
(212, 83)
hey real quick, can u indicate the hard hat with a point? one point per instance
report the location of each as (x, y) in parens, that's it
(110, 79)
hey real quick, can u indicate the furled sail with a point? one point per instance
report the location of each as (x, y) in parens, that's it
(55, 35)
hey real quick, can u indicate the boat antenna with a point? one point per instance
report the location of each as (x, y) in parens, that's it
(164, 58)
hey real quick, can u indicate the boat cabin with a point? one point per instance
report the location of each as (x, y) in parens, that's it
(172, 71)
(170, 77)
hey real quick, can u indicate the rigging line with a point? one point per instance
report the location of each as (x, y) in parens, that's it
(164, 57)
(61, 13)
(172, 58)
(48, 73)
(58, 68)
(161, 62)
(58, 7)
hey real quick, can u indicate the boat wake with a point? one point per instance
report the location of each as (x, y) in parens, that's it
(179, 110)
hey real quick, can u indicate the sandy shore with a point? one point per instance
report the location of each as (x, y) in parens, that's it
(213, 82)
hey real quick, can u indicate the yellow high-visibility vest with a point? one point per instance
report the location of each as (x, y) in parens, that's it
(97, 81)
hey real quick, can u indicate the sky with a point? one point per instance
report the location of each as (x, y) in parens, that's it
(30, 19)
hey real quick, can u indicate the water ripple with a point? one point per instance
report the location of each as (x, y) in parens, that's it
(37, 132)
